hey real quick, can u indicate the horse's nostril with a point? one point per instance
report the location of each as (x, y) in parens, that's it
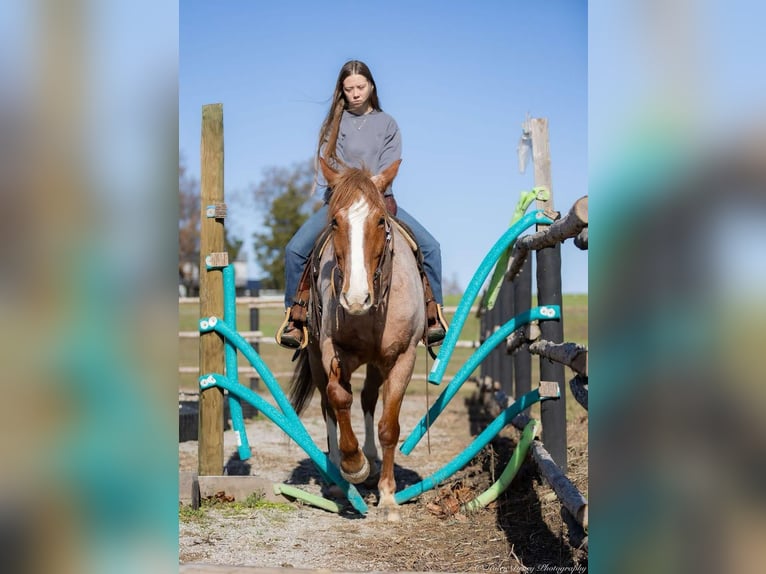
(368, 299)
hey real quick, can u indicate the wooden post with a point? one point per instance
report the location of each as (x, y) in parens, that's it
(522, 359)
(211, 347)
(485, 331)
(553, 412)
(489, 330)
(505, 300)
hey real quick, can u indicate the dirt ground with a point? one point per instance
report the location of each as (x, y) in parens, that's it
(522, 531)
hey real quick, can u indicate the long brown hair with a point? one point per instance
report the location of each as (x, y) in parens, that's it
(331, 124)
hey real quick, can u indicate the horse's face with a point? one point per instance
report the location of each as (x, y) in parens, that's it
(360, 231)
(359, 240)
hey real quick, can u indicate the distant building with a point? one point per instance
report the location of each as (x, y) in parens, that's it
(188, 280)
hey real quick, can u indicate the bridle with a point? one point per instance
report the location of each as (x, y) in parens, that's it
(381, 279)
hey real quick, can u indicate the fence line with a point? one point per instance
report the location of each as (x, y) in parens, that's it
(251, 371)
(507, 372)
(278, 302)
(257, 337)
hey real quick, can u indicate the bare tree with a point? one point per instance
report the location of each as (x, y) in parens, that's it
(188, 215)
(189, 228)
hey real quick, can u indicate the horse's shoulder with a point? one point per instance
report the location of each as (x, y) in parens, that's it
(405, 232)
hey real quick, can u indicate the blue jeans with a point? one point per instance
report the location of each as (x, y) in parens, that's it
(299, 248)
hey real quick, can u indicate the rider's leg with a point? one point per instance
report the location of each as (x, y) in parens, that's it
(291, 334)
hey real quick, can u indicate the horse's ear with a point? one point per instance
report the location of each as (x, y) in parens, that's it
(329, 173)
(385, 177)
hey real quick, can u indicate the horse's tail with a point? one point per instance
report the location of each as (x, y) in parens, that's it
(301, 386)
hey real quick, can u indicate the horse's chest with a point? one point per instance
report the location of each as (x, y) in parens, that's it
(357, 337)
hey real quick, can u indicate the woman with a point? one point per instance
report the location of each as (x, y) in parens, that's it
(356, 133)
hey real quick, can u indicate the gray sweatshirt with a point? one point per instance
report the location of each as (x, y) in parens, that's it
(372, 141)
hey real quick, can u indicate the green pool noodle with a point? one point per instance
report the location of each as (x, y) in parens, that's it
(307, 497)
(513, 466)
(525, 200)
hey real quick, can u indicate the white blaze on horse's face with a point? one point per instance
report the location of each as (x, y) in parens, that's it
(357, 298)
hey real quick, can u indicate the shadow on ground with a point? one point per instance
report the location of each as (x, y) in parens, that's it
(534, 530)
(306, 473)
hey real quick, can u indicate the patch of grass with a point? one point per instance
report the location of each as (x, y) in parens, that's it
(256, 500)
(188, 514)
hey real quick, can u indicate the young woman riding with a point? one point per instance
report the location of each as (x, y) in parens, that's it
(356, 133)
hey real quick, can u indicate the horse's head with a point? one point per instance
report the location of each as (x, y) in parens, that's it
(361, 230)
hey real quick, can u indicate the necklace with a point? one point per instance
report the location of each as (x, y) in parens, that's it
(358, 126)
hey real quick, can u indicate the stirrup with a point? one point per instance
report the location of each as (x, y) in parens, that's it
(437, 331)
(435, 336)
(291, 342)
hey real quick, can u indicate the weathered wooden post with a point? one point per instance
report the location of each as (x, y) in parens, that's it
(548, 260)
(522, 359)
(495, 355)
(505, 301)
(484, 333)
(211, 345)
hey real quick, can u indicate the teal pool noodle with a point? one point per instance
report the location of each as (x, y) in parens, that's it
(213, 324)
(295, 429)
(290, 416)
(232, 373)
(474, 286)
(466, 455)
(543, 312)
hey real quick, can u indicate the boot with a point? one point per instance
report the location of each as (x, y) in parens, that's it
(293, 333)
(436, 325)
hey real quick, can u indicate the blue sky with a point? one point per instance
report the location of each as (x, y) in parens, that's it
(459, 77)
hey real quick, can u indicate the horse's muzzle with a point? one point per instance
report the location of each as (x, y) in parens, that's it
(356, 305)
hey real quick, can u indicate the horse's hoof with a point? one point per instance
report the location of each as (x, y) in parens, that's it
(334, 491)
(389, 506)
(359, 476)
(392, 515)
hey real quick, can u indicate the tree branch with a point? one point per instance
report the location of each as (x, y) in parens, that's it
(572, 355)
(568, 226)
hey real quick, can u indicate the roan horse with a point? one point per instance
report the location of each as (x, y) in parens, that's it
(367, 307)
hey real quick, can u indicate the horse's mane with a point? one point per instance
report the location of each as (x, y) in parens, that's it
(352, 183)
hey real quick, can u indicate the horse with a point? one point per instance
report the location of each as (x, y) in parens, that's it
(367, 308)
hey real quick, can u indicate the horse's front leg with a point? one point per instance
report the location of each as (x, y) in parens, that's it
(370, 391)
(353, 464)
(333, 490)
(328, 414)
(388, 428)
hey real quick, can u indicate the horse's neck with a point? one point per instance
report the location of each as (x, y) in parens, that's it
(401, 314)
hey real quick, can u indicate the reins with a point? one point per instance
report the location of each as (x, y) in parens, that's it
(428, 411)
(381, 278)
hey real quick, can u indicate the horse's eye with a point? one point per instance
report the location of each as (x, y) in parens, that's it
(334, 223)
(382, 221)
